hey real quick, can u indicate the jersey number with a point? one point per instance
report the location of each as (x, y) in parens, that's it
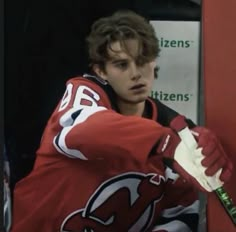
(84, 96)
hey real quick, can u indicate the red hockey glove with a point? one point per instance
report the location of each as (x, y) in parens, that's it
(187, 157)
(179, 158)
(215, 156)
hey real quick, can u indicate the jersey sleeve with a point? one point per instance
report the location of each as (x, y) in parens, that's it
(84, 126)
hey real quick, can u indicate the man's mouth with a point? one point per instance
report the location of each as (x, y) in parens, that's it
(138, 86)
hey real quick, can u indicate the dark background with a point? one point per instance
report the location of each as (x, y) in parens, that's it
(44, 46)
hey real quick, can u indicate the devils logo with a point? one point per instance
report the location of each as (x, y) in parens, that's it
(125, 203)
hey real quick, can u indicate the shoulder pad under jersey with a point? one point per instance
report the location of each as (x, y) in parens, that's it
(105, 86)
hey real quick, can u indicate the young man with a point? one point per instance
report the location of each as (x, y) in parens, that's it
(108, 158)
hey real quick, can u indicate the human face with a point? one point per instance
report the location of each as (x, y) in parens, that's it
(131, 82)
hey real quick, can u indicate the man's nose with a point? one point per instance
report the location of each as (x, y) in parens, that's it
(136, 74)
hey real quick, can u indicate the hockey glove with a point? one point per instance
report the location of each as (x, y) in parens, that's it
(180, 147)
(214, 154)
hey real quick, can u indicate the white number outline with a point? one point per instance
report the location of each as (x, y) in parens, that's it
(76, 114)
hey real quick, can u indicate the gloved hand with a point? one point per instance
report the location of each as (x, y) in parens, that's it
(215, 156)
(187, 157)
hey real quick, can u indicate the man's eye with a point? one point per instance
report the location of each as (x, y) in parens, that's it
(122, 65)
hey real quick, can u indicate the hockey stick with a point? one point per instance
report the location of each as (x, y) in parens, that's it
(189, 140)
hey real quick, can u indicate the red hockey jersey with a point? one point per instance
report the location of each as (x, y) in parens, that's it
(96, 170)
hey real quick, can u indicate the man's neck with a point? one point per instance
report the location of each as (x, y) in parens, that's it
(127, 108)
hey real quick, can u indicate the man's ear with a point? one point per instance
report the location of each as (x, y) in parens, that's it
(99, 72)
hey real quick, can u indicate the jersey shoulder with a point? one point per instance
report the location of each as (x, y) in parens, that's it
(100, 86)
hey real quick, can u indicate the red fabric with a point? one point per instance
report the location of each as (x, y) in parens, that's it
(114, 180)
(63, 190)
(219, 36)
(178, 123)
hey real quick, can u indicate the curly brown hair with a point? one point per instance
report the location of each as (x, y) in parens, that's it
(121, 26)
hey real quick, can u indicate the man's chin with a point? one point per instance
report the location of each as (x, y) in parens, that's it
(137, 99)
